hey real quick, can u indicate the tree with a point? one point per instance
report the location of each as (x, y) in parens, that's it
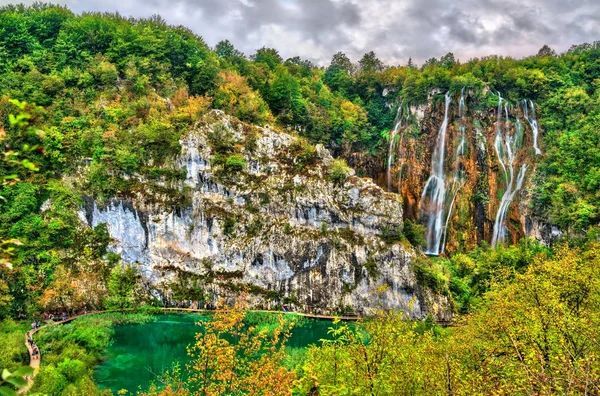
(342, 62)
(369, 63)
(122, 287)
(447, 60)
(286, 98)
(235, 97)
(268, 56)
(232, 358)
(546, 51)
(225, 49)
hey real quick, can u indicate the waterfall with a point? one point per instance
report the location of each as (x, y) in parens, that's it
(458, 179)
(506, 146)
(400, 160)
(533, 123)
(435, 189)
(393, 132)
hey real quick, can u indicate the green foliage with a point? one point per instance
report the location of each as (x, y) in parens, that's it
(391, 235)
(431, 274)
(71, 351)
(338, 171)
(122, 287)
(415, 233)
(16, 380)
(13, 354)
(235, 163)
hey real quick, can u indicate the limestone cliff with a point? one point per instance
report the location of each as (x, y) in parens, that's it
(259, 211)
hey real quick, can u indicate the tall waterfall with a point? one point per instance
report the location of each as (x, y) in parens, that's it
(458, 180)
(400, 159)
(507, 147)
(435, 190)
(393, 133)
(530, 117)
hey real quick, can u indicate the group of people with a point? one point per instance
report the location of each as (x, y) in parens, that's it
(51, 316)
(35, 351)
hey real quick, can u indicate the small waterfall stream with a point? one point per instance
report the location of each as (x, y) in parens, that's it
(507, 147)
(530, 117)
(400, 142)
(434, 192)
(393, 133)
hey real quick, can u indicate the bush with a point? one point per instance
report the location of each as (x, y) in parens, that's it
(415, 233)
(430, 274)
(229, 225)
(235, 163)
(12, 351)
(304, 152)
(221, 139)
(391, 235)
(339, 171)
(50, 381)
(72, 369)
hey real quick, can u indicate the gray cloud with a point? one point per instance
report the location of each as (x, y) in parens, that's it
(395, 30)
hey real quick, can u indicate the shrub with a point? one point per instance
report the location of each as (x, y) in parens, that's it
(49, 381)
(229, 225)
(415, 233)
(221, 139)
(235, 163)
(72, 369)
(391, 235)
(304, 152)
(371, 267)
(430, 274)
(12, 352)
(339, 171)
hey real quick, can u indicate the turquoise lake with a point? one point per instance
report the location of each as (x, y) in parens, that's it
(140, 352)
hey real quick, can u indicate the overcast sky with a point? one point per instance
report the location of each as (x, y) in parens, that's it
(394, 29)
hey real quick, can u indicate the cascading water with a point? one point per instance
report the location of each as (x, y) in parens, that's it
(530, 117)
(434, 192)
(458, 179)
(400, 159)
(393, 132)
(507, 147)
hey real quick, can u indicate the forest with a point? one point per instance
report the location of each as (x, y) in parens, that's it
(97, 104)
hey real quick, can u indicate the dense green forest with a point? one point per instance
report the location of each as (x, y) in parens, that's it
(88, 101)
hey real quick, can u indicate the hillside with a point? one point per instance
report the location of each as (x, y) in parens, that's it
(142, 168)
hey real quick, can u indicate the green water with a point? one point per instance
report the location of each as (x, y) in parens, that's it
(140, 352)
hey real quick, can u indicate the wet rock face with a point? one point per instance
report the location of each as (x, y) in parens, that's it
(472, 218)
(276, 228)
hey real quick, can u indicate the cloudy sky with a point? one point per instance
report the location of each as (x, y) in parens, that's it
(394, 29)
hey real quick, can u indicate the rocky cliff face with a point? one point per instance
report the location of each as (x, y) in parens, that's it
(490, 151)
(257, 211)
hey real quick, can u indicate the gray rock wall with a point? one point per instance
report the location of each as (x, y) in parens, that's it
(275, 226)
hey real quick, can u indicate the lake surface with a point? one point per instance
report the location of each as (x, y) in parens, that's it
(140, 352)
